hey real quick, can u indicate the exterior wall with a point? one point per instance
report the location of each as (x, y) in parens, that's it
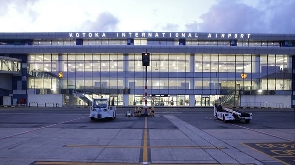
(273, 101)
(49, 100)
(6, 81)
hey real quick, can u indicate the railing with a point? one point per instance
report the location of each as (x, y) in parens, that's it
(35, 103)
(264, 105)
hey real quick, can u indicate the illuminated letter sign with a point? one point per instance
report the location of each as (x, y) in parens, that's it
(244, 75)
(60, 75)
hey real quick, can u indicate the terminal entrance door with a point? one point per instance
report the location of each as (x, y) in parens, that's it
(114, 100)
(205, 101)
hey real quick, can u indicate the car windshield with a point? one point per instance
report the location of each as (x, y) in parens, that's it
(100, 103)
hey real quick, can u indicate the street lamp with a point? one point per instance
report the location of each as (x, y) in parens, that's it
(145, 62)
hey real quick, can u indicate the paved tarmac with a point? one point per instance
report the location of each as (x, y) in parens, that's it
(34, 136)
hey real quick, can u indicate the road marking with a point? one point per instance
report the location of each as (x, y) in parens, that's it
(93, 163)
(282, 151)
(36, 129)
(145, 142)
(254, 130)
(106, 146)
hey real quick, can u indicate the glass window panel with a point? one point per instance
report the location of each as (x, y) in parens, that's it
(79, 66)
(139, 83)
(80, 57)
(96, 66)
(96, 56)
(71, 66)
(88, 66)
(105, 62)
(271, 85)
(80, 84)
(31, 57)
(88, 57)
(64, 57)
(198, 63)
(47, 83)
(174, 83)
(47, 66)
(231, 67)
(113, 62)
(163, 63)
(88, 84)
(206, 63)
(71, 57)
(39, 57)
(198, 83)
(206, 83)
(271, 59)
(155, 62)
(47, 57)
(173, 63)
(214, 62)
(54, 57)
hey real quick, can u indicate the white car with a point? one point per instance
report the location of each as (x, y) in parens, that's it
(100, 109)
(227, 114)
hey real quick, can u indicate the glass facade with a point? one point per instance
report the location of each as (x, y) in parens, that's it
(186, 68)
(172, 78)
(9, 65)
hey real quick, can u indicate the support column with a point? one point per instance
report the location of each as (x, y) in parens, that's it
(257, 69)
(257, 63)
(125, 80)
(293, 82)
(192, 80)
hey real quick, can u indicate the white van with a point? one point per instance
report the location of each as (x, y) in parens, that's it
(100, 109)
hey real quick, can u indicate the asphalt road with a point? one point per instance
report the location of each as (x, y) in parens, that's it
(192, 136)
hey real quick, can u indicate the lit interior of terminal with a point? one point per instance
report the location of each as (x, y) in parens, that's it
(193, 69)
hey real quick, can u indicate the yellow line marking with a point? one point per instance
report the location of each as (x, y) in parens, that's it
(90, 163)
(266, 154)
(186, 147)
(101, 146)
(200, 164)
(79, 163)
(145, 153)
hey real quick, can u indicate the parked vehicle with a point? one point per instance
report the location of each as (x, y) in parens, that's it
(100, 109)
(227, 114)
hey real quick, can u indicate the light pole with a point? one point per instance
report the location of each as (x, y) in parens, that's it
(145, 62)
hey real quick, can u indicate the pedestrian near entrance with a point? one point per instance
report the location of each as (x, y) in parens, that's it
(113, 101)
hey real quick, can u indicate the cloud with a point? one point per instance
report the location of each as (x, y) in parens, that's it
(104, 22)
(170, 27)
(282, 18)
(192, 27)
(23, 7)
(276, 16)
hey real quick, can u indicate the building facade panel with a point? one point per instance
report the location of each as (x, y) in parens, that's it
(186, 68)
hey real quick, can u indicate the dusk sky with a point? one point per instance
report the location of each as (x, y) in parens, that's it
(228, 16)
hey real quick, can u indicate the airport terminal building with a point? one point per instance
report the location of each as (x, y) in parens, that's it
(186, 69)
